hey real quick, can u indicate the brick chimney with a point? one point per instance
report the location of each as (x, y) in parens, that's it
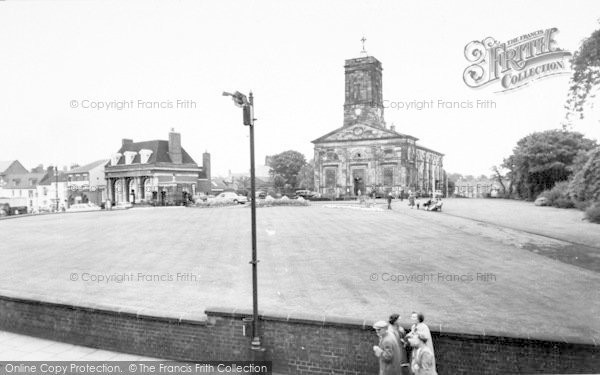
(206, 164)
(126, 142)
(206, 168)
(175, 147)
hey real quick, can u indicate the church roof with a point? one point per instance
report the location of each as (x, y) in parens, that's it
(361, 132)
(160, 152)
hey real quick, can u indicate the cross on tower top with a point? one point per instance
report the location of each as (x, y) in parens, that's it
(363, 40)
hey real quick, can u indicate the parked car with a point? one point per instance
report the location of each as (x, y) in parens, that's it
(230, 196)
(4, 209)
(306, 194)
(542, 201)
(81, 207)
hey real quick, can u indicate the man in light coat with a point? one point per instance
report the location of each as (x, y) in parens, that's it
(388, 350)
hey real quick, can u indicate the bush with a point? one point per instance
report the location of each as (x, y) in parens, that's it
(583, 205)
(562, 202)
(593, 213)
(281, 202)
(585, 185)
(213, 203)
(558, 196)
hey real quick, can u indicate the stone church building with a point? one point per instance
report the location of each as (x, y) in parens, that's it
(365, 155)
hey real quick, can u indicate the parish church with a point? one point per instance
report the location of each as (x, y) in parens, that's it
(365, 155)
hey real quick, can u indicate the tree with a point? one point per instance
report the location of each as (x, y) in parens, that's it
(454, 177)
(306, 176)
(585, 185)
(500, 176)
(287, 165)
(243, 183)
(541, 159)
(278, 182)
(586, 74)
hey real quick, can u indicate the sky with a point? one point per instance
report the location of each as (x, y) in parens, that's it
(61, 58)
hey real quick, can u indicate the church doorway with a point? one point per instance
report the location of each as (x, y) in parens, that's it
(358, 179)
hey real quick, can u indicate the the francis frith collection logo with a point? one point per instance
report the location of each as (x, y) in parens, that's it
(515, 63)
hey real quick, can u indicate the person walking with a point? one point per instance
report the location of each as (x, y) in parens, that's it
(388, 350)
(423, 361)
(420, 328)
(396, 329)
(389, 200)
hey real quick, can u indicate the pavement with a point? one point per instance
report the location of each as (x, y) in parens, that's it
(15, 347)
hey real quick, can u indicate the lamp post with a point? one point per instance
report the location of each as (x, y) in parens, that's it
(56, 187)
(247, 106)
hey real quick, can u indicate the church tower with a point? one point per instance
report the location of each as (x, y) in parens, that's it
(364, 103)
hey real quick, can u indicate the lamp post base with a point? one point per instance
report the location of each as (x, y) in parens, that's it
(258, 352)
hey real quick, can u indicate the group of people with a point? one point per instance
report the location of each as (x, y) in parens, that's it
(404, 353)
(430, 204)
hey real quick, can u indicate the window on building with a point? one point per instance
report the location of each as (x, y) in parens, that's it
(388, 176)
(330, 178)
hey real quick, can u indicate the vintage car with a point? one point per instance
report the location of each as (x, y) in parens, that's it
(230, 196)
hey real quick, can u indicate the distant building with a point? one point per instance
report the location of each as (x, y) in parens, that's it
(479, 188)
(51, 189)
(87, 183)
(10, 167)
(20, 190)
(364, 155)
(159, 171)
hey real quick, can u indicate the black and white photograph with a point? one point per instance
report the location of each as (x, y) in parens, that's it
(299, 187)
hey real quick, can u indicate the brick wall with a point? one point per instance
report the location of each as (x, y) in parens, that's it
(296, 344)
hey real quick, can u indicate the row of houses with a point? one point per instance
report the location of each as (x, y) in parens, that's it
(50, 188)
(157, 171)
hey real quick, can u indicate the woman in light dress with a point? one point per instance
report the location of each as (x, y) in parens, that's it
(423, 361)
(419, 328)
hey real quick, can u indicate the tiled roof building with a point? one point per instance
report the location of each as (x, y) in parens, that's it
(160, 171)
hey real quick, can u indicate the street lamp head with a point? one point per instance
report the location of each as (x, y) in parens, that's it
(239, 99)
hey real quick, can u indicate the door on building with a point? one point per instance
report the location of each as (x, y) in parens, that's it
(358, 179)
